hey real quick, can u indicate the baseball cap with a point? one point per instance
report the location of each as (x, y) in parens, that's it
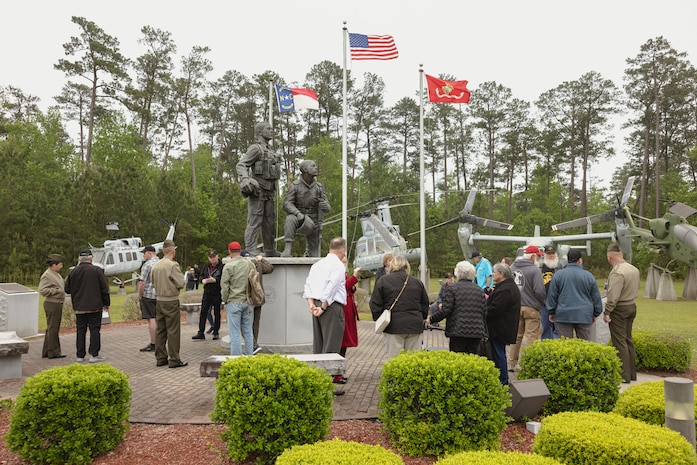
(476, 254)
(533, 249)
(149, 248)
(85, 253)
(212, 253)
(245, 253)
(550, 249)
(234, 245)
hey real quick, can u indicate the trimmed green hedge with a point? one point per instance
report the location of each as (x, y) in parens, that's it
(433, 402)
(646, 402)
(657, 350)
(496, 458)
(70, 414)
(270, 403)
(580, 375)
(595, 438)
(337, 452)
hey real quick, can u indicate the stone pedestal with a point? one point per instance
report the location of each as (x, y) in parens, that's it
(193, 311)
(600, 331)
(286, 324)
(11, 349)
(333, 364)
(19, 309)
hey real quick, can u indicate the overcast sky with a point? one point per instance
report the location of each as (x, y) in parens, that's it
(530, 47)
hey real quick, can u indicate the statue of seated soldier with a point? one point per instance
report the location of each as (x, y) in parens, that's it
(306, 204)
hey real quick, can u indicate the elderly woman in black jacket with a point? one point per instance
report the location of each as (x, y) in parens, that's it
(503, 314)
(464, 306)
(406, 327)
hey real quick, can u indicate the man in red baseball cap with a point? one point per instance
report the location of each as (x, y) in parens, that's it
(240, 312)
(528, 277)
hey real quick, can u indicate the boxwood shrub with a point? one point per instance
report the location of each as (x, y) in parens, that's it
(496, 458)
(580, 375)
(337, 452)
(270, 403)
(656, 350)
(596, 438)
(70, 414)
(433, 402)
(646, 402)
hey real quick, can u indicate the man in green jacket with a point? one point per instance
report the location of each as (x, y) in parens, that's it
(168, 279)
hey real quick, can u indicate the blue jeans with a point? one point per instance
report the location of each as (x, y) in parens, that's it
(498, 352)
(548, 329)
(240, 317)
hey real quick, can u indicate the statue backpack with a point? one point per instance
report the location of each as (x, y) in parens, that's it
(255, 291)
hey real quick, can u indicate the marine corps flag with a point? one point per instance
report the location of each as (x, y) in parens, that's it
(447, 91)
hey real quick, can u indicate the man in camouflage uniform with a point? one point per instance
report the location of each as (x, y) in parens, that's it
(258, 172)
(306, 203)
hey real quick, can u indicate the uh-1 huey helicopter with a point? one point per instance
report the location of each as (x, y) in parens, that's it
(670, 235)
(380, 236)
(123, 255)
(468, 238)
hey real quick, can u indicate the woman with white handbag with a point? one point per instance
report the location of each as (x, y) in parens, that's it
(405, 300)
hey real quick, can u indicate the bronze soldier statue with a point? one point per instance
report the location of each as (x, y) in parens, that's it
(258, 172)
(306, 203)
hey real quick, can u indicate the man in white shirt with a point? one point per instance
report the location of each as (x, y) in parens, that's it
(325, 291)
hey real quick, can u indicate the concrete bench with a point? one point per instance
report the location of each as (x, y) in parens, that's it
(192, 312)
(333, 364)
(11, 349)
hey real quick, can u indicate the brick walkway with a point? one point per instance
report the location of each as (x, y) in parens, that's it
(167, 396)
(164, 395)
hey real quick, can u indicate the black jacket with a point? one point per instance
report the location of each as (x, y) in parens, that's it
(464, 306)
(88, 288)
(503, 312)
(411, 309)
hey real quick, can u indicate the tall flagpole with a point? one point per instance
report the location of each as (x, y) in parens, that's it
(344, 151)
(271, 102)
(422, 196)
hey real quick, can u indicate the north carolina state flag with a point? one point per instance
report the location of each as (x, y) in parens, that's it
(447, 91)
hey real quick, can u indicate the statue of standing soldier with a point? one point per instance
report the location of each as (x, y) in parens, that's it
(258, 172)
(306, 203)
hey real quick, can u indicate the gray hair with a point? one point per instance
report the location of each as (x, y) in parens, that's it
(504, 269)
(465, 270)
(399, 262)
(86, 258)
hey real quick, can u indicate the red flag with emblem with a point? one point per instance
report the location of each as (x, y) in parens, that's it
(447, 91)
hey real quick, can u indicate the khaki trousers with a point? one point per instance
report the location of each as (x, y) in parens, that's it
(529, 331)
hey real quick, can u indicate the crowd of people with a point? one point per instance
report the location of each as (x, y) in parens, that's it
(493, 311)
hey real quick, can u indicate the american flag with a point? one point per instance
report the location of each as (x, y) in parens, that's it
(364, 47)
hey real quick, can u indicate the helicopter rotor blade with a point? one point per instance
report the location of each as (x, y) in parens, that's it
(383, 231)
(469, 203)
(585, 221)
(489, 223)
(681, 209)
(627, 191)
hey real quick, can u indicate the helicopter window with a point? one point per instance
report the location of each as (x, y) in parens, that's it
(120, 257)
(129, 257)
(110, 259)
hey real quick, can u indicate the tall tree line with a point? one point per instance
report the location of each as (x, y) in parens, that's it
(158, 139)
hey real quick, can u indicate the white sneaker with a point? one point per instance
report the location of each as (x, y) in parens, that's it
(80, 359)
(97, 359)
